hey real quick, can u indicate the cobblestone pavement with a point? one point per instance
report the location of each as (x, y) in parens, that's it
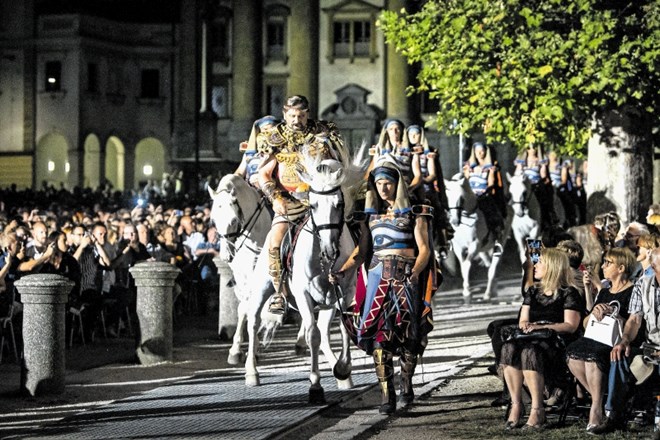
(200, 396)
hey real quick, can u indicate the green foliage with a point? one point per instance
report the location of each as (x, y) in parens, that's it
(532, 71)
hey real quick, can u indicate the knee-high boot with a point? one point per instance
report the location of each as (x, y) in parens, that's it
(408, 362)
(278, 302)
(383, 361)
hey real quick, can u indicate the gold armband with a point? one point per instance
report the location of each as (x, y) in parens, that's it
(270, 190)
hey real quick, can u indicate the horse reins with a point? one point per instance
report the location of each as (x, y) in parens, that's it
(246, 226)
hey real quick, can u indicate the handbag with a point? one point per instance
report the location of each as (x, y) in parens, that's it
(535, 335)
(606, 331)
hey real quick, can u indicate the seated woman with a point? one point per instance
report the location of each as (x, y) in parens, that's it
(553, 303)
(589, 360)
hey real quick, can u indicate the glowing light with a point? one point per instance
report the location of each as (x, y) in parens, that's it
(147, 170)
(67, 167)
(52, 80)
(51, 166)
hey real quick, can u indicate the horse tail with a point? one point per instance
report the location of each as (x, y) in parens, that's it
(268, 327)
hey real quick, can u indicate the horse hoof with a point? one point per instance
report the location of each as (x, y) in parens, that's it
(316, 396)
(341, 373)
(346, 384)
(301, 350)
(235, 359)
(252, 380)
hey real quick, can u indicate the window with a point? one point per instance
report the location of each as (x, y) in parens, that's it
(220, 40)
(53, 76)
(275, 32)
(92, 78)
(220, 97)
(150, 83)
(275, 97)
(351, 39)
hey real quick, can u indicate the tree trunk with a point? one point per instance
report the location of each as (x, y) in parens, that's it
(620, 167)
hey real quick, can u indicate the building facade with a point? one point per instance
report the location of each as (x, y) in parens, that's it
(121, 92)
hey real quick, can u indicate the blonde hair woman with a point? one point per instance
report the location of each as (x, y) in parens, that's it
(553, 303)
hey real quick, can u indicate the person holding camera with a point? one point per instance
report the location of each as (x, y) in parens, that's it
(37, 251)
(93, 259)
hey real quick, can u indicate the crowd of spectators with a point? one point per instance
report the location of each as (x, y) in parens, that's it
(545, 349)
(93, 237)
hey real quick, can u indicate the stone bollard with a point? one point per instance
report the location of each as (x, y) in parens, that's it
(155, 283)
(44, 340)
(228, 303)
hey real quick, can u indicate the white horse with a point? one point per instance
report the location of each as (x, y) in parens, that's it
(243, 221)
(472, 240)
(323, 244)
(526, 212)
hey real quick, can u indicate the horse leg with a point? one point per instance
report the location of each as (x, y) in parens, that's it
(235, 355)
(301, 344)
(466, 264)
(313, 337)
(258, 296)
(343, 367)
(491, 286)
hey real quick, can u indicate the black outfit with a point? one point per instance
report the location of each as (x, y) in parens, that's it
(588, 350)
(544, 356)
(123, 293)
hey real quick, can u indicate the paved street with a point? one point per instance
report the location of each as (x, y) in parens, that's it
(199, 396)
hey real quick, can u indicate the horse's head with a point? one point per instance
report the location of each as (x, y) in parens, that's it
(460, 198)
(520, 191)
(226, 214)
(326, 203)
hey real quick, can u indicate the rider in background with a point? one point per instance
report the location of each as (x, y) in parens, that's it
(393, 317)
(560, 176)
(425, 159)
(533, 163)
(392, 145)
(486, 182)
(281, 148)
(249, 166)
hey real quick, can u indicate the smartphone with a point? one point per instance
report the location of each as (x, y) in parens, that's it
(534, 246)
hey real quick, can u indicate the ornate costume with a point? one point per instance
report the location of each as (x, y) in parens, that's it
(281, 181)
(319, 137)
(393, 316)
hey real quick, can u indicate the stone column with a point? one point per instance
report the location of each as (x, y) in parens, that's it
(44, 297)
(304, 63)
(155, 282)
(397, 77)
(228, 303)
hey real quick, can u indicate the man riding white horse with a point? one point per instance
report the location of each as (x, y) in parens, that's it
(279, 181)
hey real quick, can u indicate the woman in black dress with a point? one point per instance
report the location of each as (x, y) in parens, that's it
(553, 304)
(589, 360)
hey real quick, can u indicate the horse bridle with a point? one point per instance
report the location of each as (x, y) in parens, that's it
(523, 203)
(462, 213)
(245, 226)
(340, 225)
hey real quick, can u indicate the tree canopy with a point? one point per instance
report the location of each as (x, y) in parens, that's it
(532, 71)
